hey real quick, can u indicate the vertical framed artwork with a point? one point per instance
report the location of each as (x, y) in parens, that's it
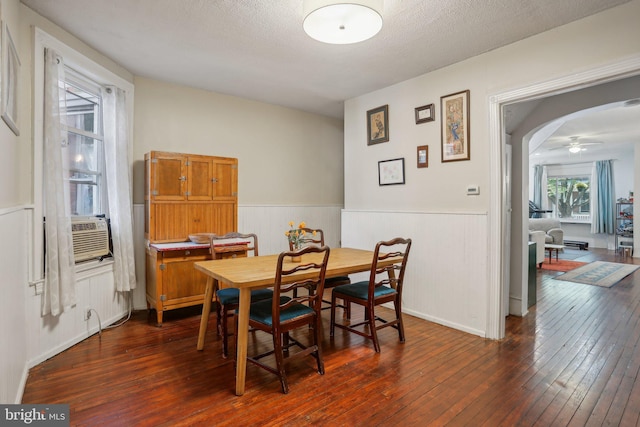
(378, 125)
(454, 116)
(10, 70)
(423, 156)
(391, 172)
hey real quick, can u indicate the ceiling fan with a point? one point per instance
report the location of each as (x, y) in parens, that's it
(575, 146)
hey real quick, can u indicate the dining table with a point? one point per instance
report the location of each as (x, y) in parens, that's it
(257, 272)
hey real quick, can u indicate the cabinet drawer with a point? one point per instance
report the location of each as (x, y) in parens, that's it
(202, 253)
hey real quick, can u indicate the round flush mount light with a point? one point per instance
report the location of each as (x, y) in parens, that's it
(337, 22)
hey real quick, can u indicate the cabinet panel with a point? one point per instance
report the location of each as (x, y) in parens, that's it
(168, 177)
(200, 178)
(169, 222)
(225, 179)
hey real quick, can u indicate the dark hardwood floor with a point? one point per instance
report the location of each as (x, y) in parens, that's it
(574, 360)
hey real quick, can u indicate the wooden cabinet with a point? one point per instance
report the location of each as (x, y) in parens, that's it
(172, 280)
(185, 194)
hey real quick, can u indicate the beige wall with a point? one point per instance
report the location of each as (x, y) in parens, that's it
(575, 47)
(285, 156)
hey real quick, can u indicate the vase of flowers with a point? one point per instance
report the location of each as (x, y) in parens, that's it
(296, 237)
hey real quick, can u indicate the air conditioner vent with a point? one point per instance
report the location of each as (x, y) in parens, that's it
(90, 238)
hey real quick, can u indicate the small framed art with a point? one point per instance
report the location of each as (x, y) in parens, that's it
(454, 116)
(391, 172)
(423, 156)
(10, 71)
(425, 114)
(378, 125)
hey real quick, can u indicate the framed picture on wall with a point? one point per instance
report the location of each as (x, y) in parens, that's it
(423, 156)
(425, 114)
(10, 68)
(454, 116)
(391, 172)
(378, 125)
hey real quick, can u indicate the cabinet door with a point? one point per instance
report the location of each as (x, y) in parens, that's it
(225, 183)
(181, 280)
(200, 178)
(168, 176)
(169, 222)
(216, 217)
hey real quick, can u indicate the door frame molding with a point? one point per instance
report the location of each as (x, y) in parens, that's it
(626, 67)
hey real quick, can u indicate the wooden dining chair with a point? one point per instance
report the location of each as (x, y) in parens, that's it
(315, 237)
(282, 314)
(229, 298)
(384, 285)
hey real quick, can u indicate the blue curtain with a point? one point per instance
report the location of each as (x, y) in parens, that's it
(603, 219)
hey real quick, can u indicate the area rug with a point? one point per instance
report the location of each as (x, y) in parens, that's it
(561, 265)
(599, 273)
(570, 253)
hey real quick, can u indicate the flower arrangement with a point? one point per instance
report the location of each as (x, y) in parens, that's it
(296, 235)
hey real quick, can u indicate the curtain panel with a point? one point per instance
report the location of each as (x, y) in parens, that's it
(602, 198)
(118, 177)
(60, 278)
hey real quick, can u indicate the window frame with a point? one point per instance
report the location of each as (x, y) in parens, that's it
(103, 77)
(577, 176)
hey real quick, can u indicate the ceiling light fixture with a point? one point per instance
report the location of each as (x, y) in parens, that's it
(575, 149)
(338, 22)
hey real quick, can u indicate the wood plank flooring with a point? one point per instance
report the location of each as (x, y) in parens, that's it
(574, 360)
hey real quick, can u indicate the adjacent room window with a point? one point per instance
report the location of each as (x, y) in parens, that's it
(569, 198)
(85, 153)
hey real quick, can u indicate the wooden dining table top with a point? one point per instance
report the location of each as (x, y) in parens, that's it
(255, 272)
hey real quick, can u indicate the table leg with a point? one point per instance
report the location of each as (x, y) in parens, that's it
(242, 335)
(206, 309)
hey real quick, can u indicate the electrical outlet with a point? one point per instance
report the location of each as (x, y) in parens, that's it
(87, 314)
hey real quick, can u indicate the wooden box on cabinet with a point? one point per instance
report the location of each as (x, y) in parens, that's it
(172, 280)
(187, 194)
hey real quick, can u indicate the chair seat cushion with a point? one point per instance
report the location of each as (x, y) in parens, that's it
(232, 295)
(332, 282)
(361, 290)
(261, 311)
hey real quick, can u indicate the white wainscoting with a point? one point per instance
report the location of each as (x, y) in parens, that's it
(13, 331)
(271, 222)
(446, 277)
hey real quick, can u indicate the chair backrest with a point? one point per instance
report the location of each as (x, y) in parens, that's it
(314, 284)
(252, 246)
(312, 237)
(394, 276)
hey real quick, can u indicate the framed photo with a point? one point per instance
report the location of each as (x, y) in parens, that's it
(423, 156)
(391, 172)
(454, 112)
(10, 71)
(425, 114)
(378, 125)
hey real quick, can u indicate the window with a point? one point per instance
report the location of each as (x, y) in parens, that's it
(569, 198)
(84, 158)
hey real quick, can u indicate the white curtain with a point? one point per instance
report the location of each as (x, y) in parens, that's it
(116, 143)
(60, 276)
(544, 200)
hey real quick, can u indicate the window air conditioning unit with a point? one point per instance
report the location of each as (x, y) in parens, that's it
(90, 238)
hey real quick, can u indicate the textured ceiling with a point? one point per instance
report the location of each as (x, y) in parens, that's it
(257, 49)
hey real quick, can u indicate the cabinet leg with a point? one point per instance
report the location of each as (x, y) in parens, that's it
(159, 318)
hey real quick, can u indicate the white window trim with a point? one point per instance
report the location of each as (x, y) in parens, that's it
(100, 75)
